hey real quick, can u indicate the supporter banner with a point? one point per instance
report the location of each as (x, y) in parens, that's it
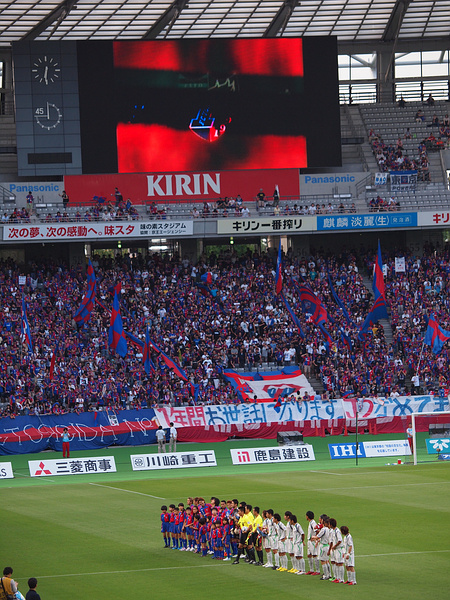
(183, 187)
(436, 218)
(437, 445)
(94, 430)
(97, 231)
(270, 385)
(400, 265)
(90, 430)
(72, 466)
(369, 408)
(249, 414)
(370, 449)
(6, 471)
(403, 180)
(366, 221)
(177, 460)
(253, 456)
(267, 225)
(380, 178)
(444, 457)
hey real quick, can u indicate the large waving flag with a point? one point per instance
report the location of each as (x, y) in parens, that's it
(435, 336)
(53, 361)
(83, 314)
(293, 316)
(149, 366)
(25, 328)
(279, 273)
(339, 301)
(379, 309)
(116, 337)
(311, 303)
(170, 363)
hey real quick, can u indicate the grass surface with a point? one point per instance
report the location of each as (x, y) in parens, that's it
(97, 536)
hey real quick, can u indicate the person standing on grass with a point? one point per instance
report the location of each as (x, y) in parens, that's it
(32, 594)
(336, 552)
(173, 438)
(349, 555)
(161, 439)
(323, 540)
(313, 561)
(66, 443)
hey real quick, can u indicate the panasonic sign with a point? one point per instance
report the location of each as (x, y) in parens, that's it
(197, 184)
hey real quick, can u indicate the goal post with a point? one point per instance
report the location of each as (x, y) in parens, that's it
(414, 416)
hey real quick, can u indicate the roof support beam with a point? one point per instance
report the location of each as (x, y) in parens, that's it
(281, 19)
(56, 16)
(395, 20)
(169, 16)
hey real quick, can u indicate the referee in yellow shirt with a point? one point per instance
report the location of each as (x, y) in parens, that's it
(246, 526)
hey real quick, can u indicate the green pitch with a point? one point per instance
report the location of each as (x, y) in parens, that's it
(97, 536)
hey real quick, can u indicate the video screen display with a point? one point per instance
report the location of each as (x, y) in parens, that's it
(214, 104)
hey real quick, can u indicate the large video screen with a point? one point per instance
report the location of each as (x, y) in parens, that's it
(214, 104)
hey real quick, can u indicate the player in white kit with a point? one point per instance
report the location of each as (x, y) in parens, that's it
(289, 539)
(323, 540)
(349, 555)
(336, 552)
(281, 542)
(313, 560)
(266, 531)
(298, 561)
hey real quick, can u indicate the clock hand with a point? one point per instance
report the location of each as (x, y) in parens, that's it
(48, 111)
(46, 75)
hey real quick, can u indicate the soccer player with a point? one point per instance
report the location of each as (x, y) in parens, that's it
(226, 538)
(202, 535)
(165, 517)
(336, 552)
(281, 542)
(323, 539)
(297, 546)
(313, 561)
(289, 540)
(182, 542)
(349, 555)
(266, 530)
(172, 524)
(187, 528)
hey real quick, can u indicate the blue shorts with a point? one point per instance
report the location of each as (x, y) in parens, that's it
(179, 527)
(188, 531)
(164, 527)
(203, 539)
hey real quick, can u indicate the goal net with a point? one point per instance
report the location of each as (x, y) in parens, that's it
(431, 426)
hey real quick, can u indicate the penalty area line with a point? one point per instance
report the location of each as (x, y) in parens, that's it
(111, 487)
(328, 473)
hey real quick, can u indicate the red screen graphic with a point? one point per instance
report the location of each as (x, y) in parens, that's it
(210, 104)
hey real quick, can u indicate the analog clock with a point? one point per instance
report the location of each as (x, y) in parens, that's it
(46, 70)
(48, 116)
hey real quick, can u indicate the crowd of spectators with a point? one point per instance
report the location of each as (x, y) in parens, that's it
(393, 157)
(248, 329)
(380, 204)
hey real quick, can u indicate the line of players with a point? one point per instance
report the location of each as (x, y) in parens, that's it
(227, 529)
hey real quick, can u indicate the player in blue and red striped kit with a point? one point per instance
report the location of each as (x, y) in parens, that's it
(165, 518)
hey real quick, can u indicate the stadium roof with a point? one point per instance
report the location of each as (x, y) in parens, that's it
(350, 20)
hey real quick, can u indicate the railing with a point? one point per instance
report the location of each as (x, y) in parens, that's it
(6, 107)
(7, 197)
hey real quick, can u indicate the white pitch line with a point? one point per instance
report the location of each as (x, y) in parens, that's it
(328, 473)
(130, 571)
(209, 566)
(362, 487)
(123, 490)
(402, 553)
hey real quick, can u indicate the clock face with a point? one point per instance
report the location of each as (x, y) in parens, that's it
(46, 70)
(48, 116)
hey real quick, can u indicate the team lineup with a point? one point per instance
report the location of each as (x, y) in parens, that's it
(228, 529)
